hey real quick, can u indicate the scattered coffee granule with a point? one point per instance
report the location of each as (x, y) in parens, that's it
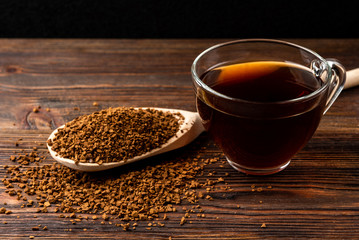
(146, 194)
(183, 221)
(27, 158)
(2, 210)
(105, 217)
(115, 134)
(258, 189)
(136, 195)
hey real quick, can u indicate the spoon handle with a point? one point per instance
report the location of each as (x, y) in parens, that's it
(352, 78)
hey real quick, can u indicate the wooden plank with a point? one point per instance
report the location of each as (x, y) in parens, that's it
(315, 197)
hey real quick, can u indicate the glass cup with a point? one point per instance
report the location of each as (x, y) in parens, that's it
(261, 100)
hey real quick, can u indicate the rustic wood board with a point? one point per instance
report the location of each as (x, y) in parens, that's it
(317, 196)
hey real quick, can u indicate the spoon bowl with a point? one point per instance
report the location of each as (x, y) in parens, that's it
(190, 128)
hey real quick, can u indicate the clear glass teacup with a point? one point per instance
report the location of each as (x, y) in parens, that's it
(261, 100)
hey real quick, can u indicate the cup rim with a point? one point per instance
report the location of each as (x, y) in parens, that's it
(263, 40)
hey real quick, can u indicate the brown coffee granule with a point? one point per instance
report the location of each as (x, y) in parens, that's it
(183, 221)
(2, 210)
(132, 196)
(138, 195)
(27, 158)
(105, 217)
(115, 134)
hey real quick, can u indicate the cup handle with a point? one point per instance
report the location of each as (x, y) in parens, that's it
(337, 81)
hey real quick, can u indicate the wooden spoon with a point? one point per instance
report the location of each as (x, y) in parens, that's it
(352, 78)
(190, 129)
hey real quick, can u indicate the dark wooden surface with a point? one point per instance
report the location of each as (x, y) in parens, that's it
(317, 196)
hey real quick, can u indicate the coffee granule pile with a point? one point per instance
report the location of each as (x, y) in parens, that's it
(115, 134)
(136, 195)
(146, 194)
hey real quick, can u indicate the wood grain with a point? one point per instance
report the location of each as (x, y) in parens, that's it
(317, 196)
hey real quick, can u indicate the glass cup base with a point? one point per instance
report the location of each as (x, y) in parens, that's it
(251, 171)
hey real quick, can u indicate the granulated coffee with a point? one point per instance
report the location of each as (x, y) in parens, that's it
(143, 194)
(115, 134)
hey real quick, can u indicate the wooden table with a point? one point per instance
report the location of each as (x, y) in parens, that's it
(317, 196)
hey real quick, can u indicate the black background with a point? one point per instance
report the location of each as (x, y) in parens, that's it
(178, 19)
